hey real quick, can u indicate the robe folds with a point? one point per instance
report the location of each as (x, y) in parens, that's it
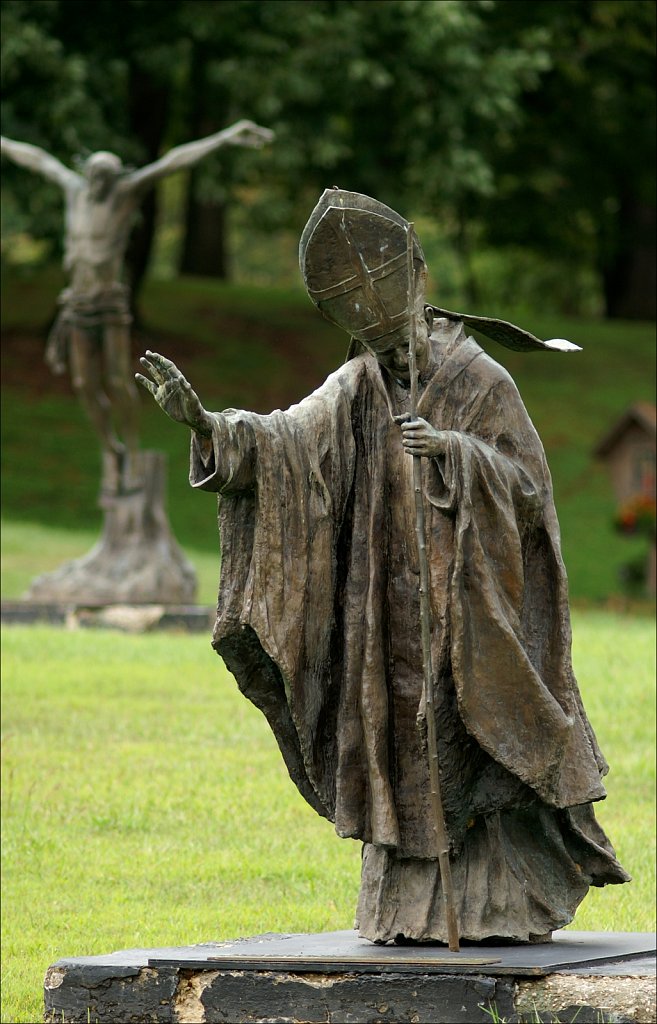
(318, 620)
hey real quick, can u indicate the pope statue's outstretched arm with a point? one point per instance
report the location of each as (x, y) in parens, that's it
(175, 395)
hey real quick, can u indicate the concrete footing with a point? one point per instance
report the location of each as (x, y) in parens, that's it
(337, 978)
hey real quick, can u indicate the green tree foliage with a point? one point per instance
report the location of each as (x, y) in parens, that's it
(509, 122)
(49, 99)
(74, 84)
(396, 98)
(578, 182)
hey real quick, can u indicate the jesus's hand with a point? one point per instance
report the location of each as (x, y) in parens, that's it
(247, 133)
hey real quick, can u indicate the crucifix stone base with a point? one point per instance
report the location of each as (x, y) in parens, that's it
(137, 559)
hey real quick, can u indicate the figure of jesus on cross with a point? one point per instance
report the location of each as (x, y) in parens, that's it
(91, 334)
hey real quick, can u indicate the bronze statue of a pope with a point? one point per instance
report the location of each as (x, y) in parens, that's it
(319, 602)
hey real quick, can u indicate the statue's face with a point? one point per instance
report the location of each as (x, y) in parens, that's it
(392, 351)
(102, 171)
(100, 184)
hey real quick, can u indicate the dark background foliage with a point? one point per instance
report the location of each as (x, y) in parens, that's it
(522, 128)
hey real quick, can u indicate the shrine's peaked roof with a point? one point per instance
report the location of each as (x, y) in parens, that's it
(642, 414)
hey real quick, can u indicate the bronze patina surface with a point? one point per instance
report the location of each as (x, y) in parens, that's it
(319, 604)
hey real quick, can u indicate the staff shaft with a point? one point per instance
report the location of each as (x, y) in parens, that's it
(442, 841)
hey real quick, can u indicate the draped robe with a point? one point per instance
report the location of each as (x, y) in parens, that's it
(318, 620)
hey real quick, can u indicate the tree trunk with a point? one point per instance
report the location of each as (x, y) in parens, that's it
(464, 254)
(204, 249)
(629, 279)
(148, 118)
(139, 250)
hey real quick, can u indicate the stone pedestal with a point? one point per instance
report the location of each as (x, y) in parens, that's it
(137, 559)
(126, 618)
(338, 978)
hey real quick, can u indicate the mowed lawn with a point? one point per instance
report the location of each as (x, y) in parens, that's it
(145, 801)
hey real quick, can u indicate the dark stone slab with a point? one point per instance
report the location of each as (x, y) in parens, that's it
(238, 997)
(84, 993)
(26, 613)
(134, 618)
(337, 977)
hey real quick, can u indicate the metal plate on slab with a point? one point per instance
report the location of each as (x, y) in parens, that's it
(315, 963)
(338, 952)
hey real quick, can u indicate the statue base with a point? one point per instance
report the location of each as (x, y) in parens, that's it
(125, 618)
(591, 977)
(136, 561)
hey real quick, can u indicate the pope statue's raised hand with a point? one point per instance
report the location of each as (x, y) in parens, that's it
(173, 393)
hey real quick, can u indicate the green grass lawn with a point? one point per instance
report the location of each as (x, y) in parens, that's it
(145, 801)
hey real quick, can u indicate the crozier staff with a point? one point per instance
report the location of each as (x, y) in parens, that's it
(318, 607)
(91, 332)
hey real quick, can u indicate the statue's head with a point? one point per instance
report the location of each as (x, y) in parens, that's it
(102, 170)
(353, 257)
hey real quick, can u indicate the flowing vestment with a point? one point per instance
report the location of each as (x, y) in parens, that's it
(318, 619)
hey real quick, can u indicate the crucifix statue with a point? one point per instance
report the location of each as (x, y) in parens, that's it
(92, 331)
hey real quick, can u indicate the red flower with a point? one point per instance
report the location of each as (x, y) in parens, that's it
(637, 516)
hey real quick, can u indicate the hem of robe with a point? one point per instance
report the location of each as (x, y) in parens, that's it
(519, 876)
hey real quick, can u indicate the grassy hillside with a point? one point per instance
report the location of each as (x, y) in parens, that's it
(265, 348)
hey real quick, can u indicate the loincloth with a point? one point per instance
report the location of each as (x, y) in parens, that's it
(107, 308)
